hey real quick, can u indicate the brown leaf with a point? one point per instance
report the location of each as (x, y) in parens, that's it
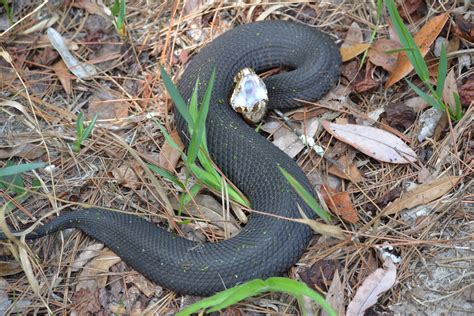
(423, 39)
(319, 274)
(353, 36)
(27, 151)
(422, 194)
(408, 8)
(340, 204)
(86, 302)
(9, 268)
(378, 56)
(126, 176)
(347, 53)
(378, 282)
(466, 92)
(374, 142)
(335, 296)
(463, 28)
(106, 107)
(350, 171)
(450, 88)
(93, 276)
(169, 155)
(63, 75)
(399, 116)
(323, 229)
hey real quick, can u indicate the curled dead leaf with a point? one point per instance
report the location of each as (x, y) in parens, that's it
(378, 282)
(373, 142)
(422, 194)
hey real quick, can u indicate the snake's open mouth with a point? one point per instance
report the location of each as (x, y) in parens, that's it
(249, 96)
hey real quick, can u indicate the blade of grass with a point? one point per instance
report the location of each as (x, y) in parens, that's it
(407, 41)
(8, 171)
(197, 137)
(442, 71)
(176, 97)
(254, 287)
(305, 195)
(428, 99)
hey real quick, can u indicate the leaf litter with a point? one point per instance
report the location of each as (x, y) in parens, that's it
(157, 33)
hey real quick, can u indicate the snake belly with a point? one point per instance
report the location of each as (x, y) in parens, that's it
(266, 246)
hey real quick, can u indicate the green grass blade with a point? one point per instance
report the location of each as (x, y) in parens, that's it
(414, 54)
(428, 99)
(170, 140)
(197, 137)
(89, 128)
(80, 125)
(305, 195)
(177, 98)
(205, 177)
(442, 71)
(8, 171)
(457, 101)
(167, 175)
(188, 196)
(254, 287)
(193, 104)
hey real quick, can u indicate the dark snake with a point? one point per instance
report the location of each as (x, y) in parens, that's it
(266, 246)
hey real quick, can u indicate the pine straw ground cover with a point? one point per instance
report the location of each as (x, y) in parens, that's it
(40, 101)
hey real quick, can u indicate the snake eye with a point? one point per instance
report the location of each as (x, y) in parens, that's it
(249, 96)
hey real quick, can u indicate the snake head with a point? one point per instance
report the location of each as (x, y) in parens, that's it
(250, 95)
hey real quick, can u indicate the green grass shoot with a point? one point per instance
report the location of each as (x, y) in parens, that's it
(81, 132)
(306, 196)
(435, 96)
(8, 10)
(196, 159)
(12, 181)
(255, 287)
(118, 11)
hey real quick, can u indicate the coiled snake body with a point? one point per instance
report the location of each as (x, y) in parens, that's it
(266, 246)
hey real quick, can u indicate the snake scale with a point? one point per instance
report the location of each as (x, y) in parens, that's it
(266, 246)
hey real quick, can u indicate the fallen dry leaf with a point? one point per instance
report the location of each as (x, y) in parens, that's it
(86, 255)
(126, 176)
(206, 207)
(286, 139)
(347, 53)
(378, 54)
(319, 274)
(63, 75)
(466, 92)
(399, 116)
(94, 276)
(350, 171)
(353, 36)
(169, 155)
(423, 39)
(463, 28)
(86, 302)
(106, 107)
(378, 282)
(340, 203)
(422, 194)
(450, 88)
(408, 8)
(373, 142)
(335, 296)
(323, 229)
(27, 151)
(9, 268)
